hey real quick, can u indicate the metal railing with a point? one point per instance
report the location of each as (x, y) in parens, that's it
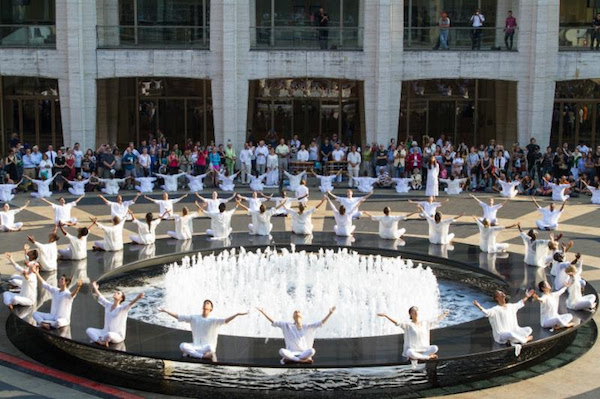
(196, 37)
(306, 38)
(578, 38)
(28, 36)
(459, 39)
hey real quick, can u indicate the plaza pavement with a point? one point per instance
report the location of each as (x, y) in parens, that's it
(580, 222)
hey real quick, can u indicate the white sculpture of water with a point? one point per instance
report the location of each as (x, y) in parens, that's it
(283, 281)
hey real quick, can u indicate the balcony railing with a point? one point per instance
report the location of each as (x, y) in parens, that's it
(459, 39)
(28, 36)
(306, 38)
(574, 38)
(190, 37)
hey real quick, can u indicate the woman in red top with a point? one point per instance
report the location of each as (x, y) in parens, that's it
(70, 164)
(200, 164)
(173, 163)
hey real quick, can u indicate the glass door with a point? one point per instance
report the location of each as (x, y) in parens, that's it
(441, 118)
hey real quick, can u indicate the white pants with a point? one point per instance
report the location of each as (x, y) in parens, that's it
(253, 233)
(69, 221)
(586, 302)
(46, 194)
(175, 235)
(75, 192)
(246, 170)
(343, 232)
(423, 353)
(562, 320)
(12, 298)
(545, 226)
(212, 234)
(515, 337)
(397, 234)
(47, 318)
(97, 334)
(189, 349)
(15, 227)
(110, 191)
(102, 246)
(352, 172)
(66, 253)
(296, 356)
(498, 248)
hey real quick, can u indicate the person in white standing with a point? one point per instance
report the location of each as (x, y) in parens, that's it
(489, 210)
(550, 216)
(62, 303)
(205, 331)
(115, 318)
(302, 218)
(439, 230)
(165, 205)
(113, 236)
(354, 159)
(299, 338)
(184, 224)
(261, 153)
(338, 155)
(62, 210)
(549, 301)
(120, 208)
(7, 218)
(246, 164)
(433, 171)
(388, 225)
(77, 248)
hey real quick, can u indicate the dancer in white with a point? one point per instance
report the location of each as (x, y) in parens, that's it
(62, 211)
(509, 189)
(402, 184)
(146, 184)
(503, 319)
(272, 169)
(295, 180)
(165, 205)
(417, 345)
(220, 222)
(558, 190)
(595, 191)
(388, 225)
(28, 294)
(227, 182)
(254, 202)
(62, 303)
(326, 181)
(77, 248)
(343, 219)
(302, 193)
(113, 236)
(536, 251)
(115, 318)
(205, 331)
(7, 218)
(261, 220)
(257, 183)
(146, 230)
(455, 186)
(111, 186)
(488, 232)
(6, 191)
(120, 208)
(302, 218)
(562, 278)
(433, 171)
(549, 301)
(554, 247)
(439, 230)
(43, 186)
(286, 201)
(47, 253)
(78, 186)
(489, 211)
(196, 183)
(365, 184)
(350, 201)
(429, 207)
(212, 204)
(184, 224)
(550, 216)
(576, 300)
(170, 181)
(298, 337)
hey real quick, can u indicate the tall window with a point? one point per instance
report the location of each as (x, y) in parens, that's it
(307, 24)
(578, 31)
(27, 23)
(157, 24)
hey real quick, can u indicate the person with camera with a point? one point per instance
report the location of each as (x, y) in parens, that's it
(477, 21)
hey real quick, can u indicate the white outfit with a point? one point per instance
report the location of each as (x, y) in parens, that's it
(454, 186)
(273, 170)
(578, 301)
(146, 184)
(62, 213)
(295, 180)
(302, 156)
(549, 316)
(285, 209)
(120, 210)
(536, 251)
(562, 278)
(326, 182)
(165, 206)
(47, 256)
(429, 208)
(254, 203)
(77, 248)
(212, 205)
(220, 224)
(7, 220)
(549, 219)
(170, 181)
(261, 222)
(196, 183)
(595, 195)
(113, 237)
(558, 192)
(388, 226)
(184, 226)
(301, 194)
(60, 309)
(28, 294)
(115, 323)
(509, 189)
(432, 189)
(77, 186)
(402, 184)
(146, 233)
(246, 164)
(227, 181)
(353, 171)
(505, 326)
(490, 211)
(6, 190)
(43, 188)
(302, 223)
(256, 183)
(343, 226)
(487, 238)
(365, 184)
(111, 186)
(298, 343)
(417, 343)
(205, 335)
(439, 232)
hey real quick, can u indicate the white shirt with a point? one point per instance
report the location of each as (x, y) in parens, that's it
(261, 222)
(343, 222)
(549, 217)
(416, 336)
(549, 305)
(302, 223)
(353, 158)
(120, 210)
(535, 251)
(62, 213)
(503, 319)
(78, 158)
(29, 287)
(558, 191)
(429, 208)
(78, 246)
(487, 237)
(7, 218)
(246, 156)
(261, 155)
(302, 156)
(115, 320)
(298, 340)
(62, 302)
(220, 223)
(184, 225)
(337, 155)
(166, 205)
(204, 330)
(302, 191)
(144, 160)
(212, 205)
(388, 226)
(477, 20)
(147, 233)
(48, 255)
(490, 211)
(438, 232)
(255, 203)
(509, 190)
(113, 236)
(454, 186)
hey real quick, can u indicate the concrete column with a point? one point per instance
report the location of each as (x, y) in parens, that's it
(383, 46)
(538, 44)
(108, 23)
(76, 43)
(502, 9)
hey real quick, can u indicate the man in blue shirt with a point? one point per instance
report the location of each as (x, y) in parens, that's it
(129, 160)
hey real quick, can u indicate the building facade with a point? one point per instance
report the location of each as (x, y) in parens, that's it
(115, 70)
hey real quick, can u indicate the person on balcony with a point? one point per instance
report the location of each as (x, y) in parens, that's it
(477, 21)
(510, 25)
(595, 33)
(323, 20)
(444, 25)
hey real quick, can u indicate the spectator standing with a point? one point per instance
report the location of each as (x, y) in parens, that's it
(323, 21)
(283, 154)
(78, 158)
(230, 158)
(262, 152)
(444, 25)
(145, 162)
(477, 20)
(510, 25)
(354, 161)
(246, 164)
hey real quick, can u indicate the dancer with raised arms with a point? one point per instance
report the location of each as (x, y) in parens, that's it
(47, 253)
(576, 300)
(343, 218)
(165, 205)
(6, 191)
(184, 224)
(227, 182)
(170, 181)
(261, 220)
(146, 184)
(212, 204)
(550, 216)
(111, 186)
(326, 181)
(595, 192)
(62, 303)
(302, 218)
(558, 190)
(146, 230)
(402, 184)
(286, 201)
(365, 184)
(549, 301)
(78, 185)
(509, 188)
(113, 235)
(62, 210)
(417, 344)
(489, 211)
(428, 207)
(7, 218)
(43, 186)
(196, 183)
(220, 222)
(536, 250)
(295, 180)
(299, 338)
(388, 225)
(562, 278)
(120, 208)
(77, 248)
(115, 318)
(257, 182)
(454, 186)
(28, 294)
(350, 201)
(488, 232)
(255, 202)
(439, 229)
(205, 331)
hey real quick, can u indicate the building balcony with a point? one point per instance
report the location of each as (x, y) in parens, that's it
(306, 38)
(459, 39)
(153, 37)
(29, 36)
(578, 38)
